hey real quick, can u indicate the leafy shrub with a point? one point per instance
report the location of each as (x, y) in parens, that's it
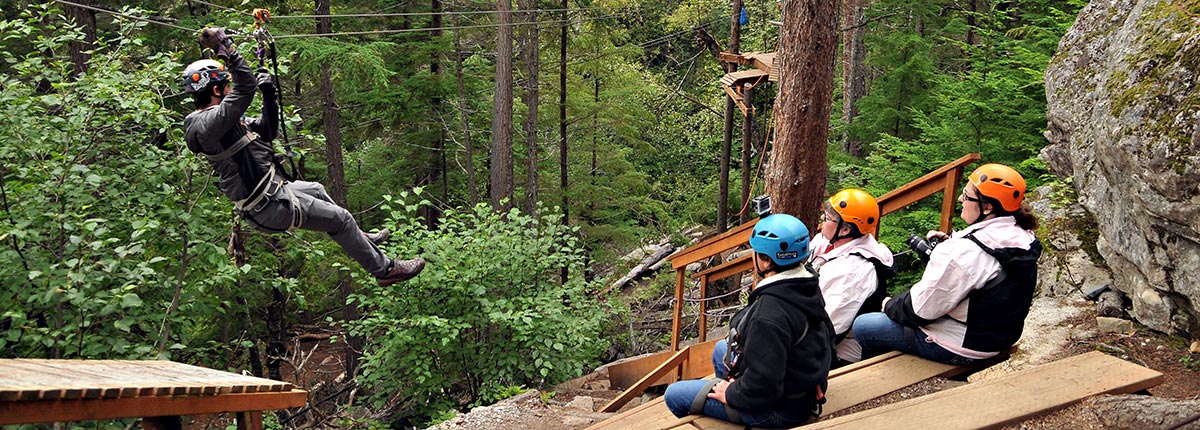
(487, 314)
(107, 242)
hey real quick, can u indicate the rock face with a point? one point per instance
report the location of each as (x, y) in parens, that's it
(1070, 264)
(1123, 113)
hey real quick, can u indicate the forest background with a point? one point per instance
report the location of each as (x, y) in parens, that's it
(114, 235)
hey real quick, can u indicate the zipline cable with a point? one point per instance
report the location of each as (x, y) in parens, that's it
(468, 12)
(414, 30)
(110, 12)
(397, 14)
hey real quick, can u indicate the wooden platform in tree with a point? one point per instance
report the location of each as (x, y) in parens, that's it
(33, 391)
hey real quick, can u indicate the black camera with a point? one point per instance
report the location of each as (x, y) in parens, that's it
(923, 248)
(761, 205)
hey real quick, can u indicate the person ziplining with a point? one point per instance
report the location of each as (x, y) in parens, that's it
(248, 170)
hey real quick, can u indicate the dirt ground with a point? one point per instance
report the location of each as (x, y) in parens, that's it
(1056, 328)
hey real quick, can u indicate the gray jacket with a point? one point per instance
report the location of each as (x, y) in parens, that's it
(210, 131)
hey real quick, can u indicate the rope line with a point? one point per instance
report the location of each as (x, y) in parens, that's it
(706, 299)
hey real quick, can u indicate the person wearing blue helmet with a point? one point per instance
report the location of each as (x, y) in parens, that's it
(773, 368)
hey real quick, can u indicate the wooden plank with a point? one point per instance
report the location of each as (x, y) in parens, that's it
(83, 379)
(873, 381)
(88, 375)
(646, 381)
(699, 362)
(853, 367)
(1007, 399)
(42, 411)
(765, 62)
(848, 386)
(735, 237)
(729, 57)
(922, 187)
(624, 374)
(728, 268)
(654, 407)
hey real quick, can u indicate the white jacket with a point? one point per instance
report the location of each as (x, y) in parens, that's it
(957, 267)
(847, 278)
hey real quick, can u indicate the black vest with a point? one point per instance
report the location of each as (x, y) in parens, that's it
(997, 311)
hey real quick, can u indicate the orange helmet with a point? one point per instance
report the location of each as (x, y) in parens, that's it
(1001, 183)
(857, 207)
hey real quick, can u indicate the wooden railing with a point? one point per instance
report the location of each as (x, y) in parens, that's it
(945, 180)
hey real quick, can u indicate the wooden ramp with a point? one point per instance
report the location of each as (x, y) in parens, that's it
(1008, 399)
(991, 404)
(848, 386)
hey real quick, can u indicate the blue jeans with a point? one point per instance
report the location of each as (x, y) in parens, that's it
(879, 334)
(679, 397)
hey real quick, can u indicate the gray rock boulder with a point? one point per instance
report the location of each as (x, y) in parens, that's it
(1123, 113)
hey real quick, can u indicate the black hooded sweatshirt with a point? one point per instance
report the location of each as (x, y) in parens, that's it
(785, 347)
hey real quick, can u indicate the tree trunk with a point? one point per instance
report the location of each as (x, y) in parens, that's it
(747, 143)
(530, 56)
(562, 123)
(437, 169)
(796, 177)
(502, 150)
(472, 189)
(727, 134)
(336, 181)
(1138, 412)
(331, 120)
(854, 53)
(85, 18)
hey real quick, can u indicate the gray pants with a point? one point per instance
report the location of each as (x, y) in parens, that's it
(318, 212)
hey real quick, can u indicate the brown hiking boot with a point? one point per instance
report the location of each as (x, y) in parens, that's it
(378, 238)
(401, 270)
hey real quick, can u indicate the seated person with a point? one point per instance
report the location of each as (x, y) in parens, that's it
(976, 290)
(853, 267)
(773, 368)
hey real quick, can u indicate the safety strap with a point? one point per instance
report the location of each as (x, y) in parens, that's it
(702, 397)
(233, 149)
(266, 187)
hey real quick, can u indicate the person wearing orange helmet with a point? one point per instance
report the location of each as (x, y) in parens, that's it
(853, 266)
(978, 285)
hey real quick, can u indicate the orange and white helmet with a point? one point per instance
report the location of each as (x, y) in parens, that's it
(200, 74)
(1000, 183)
(857, 207)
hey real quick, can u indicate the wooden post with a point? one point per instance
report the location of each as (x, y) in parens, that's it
(950, 197)
(170, 422)
(678, 315)
(249, 420)
(703, 307)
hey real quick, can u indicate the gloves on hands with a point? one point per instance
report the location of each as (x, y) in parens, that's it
(215, 38)
(266, 82)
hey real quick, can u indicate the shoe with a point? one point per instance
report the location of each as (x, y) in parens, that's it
(378, 238)
(401, 270)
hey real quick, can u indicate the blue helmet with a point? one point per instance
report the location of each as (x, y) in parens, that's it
(782, 237)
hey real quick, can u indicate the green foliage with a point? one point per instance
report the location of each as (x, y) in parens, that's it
(486, 315)
(100, 233)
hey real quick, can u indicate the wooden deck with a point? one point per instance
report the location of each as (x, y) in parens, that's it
(38, 391)
(848, 386)
(993, 403)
